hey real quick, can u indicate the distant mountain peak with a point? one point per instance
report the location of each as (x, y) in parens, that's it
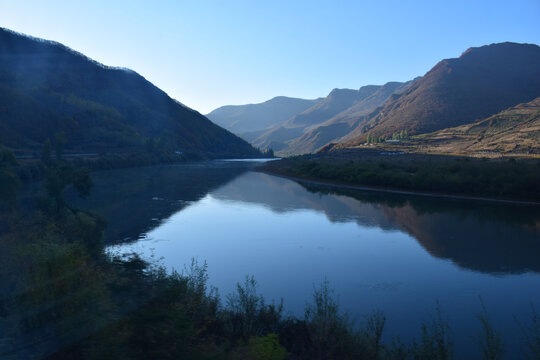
(341, 91)
(252, 118)
(496, 47)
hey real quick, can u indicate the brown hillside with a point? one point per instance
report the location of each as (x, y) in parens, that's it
(515, 130)
(481, 82)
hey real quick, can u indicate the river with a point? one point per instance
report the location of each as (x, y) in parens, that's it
(400, 254)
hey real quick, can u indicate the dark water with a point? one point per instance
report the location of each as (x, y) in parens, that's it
(399, 254)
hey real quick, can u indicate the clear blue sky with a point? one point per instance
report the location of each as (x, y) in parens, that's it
(212, 53)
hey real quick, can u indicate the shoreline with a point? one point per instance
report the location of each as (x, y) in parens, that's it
(394, 191)
(32, 169)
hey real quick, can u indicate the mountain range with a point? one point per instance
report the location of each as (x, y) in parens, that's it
(469, 103)
(326, 119)
(47, 88)
(239, 118)
(479, 84)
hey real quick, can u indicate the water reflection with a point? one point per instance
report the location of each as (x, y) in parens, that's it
(481, 236)
(136, 200)
(392, 252)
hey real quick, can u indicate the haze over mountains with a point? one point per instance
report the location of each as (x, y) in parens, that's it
(341, 124)
(239, 118)
(327, 118)
(47, 88)
(482, 82)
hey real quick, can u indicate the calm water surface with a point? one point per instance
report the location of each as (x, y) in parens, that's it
(399, 254)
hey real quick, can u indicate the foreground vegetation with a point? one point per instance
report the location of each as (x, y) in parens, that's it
(505, 179)
(68, 299)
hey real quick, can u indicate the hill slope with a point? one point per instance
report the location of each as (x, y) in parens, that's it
(254, 117)
(342, 124)
(328, 120)
(515, 130)
(480, 83)
(46, 88)
(337, 101)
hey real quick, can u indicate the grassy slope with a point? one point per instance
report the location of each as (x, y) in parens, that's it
(481, 82)
(515, 130)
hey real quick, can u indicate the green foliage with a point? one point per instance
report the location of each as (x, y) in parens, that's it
(531, 332)
(81, 181)
(202, 303)
(9, 183)
(246, 313)
(330, 332)
(267, 348)
(59, 174)
(60, 141)
(518, 179)
(490, 340)
(436, 343)
(373, 332)
(46, 151)
(323, 319)
(269, 153)
(261, 348)
(398, 351)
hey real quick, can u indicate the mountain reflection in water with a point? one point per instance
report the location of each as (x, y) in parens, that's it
(392, 252)
(481, 236)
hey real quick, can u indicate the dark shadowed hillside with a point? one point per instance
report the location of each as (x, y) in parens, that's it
(47, 88)
(481, 82)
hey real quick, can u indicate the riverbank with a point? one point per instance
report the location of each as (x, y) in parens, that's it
(135, 308)
(30, 169)
(506, 181)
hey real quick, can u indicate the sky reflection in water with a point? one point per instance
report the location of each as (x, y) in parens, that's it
(384, 252)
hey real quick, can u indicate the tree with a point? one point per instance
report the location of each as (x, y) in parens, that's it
(248, 315)
(490, 339)
(60, 141)
(9, 183)
(269, 152)
(326, 326)
(46, 152)
(59, 174)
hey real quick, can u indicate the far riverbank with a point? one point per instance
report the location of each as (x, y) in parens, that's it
(509, 181)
